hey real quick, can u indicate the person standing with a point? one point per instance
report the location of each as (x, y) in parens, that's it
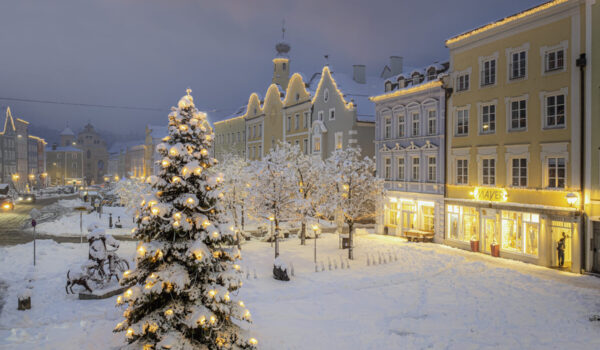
(561, 250)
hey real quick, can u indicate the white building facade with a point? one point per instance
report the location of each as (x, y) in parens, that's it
(409, 146)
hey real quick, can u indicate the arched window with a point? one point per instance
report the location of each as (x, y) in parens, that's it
(388, 86)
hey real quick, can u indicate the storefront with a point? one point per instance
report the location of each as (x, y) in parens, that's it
(527, 233)
(406, 212)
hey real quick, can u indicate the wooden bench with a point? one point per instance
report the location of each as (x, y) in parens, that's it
(419, 236)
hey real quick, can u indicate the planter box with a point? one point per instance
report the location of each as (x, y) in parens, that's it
(495, 248)
(474, 246)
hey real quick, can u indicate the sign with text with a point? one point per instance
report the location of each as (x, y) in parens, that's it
(490, 194)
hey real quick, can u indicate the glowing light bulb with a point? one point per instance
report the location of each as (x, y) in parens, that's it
(204, 152)
(128, 293)
(129, 332)
(215, 234)
(213, 319)
(154, 211)
(183, 127)
(169, 312)
(205, 223)
(173, 151)
(242, 304)
(185, 170)
(176, 179)
(165, 163)
(202, 320)
(177, 216)
(226, 297)
(141, 251)
(198, 255)
(153, 328)
(236, 267)
(212, 293)
(176, 224)
(198, 171)
(253, 341)
(133, 230)
(119, 300)
(149, 285)
(191, 201)
(247, 314)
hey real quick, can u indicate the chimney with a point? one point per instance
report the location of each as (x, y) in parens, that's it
(359, 73)
(396, 64)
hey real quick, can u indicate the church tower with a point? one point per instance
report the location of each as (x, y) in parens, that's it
(281, 62)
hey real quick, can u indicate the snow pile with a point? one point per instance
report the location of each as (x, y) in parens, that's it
(68, 225)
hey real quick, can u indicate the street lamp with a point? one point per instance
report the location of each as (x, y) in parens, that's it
(272, 219)
(315, 228)
(571, 198)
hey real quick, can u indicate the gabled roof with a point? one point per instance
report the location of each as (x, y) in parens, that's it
(67, 132)
(9, 117)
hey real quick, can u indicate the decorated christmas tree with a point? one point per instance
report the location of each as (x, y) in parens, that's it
(186, 277)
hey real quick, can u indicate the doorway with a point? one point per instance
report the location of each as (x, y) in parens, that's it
(596, 247)
(557, 228)
(488, 229)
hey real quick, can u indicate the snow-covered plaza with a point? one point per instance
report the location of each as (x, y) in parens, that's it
(422, 296)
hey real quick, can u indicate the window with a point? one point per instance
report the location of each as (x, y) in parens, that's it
(488, 119)
(556, 172)
(416, 78)
(462, 172)
(431, 122)
(317, 144)
(387, 133)
(339, 136)
(401, 169)
(415, 169)
(431, 169)
(260, 130)
(555, 111)
(387, 171)
(518, 64)
(326, 95)
(254, 133)
(305, 121)
(488, 72)
(519, 172)
(520, 232)
(297, 97)
(259, 151)
(415, 124)
(297, 121)
(332, 114)
(297, 143)
(554, 60)
(320, 115)
(462, 122)
(488, 172)
(401, 125)
(518, 115)
(462, 82)
(289, 123)
(431, 73)
(305, 146)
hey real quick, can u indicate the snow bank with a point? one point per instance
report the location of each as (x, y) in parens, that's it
(68, 225)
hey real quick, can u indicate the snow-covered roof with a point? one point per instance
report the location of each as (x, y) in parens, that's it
(119, 147)
(67, 132)
(359, 94)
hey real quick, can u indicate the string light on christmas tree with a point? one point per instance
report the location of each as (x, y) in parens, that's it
(204, 152)
(212, 293)
(155, 211)
(202, 320)
(253, 341)
(176, 179)
(198, 255)
(242, 304)
(169, 312)
(173, 151)
(130, 332)
(213, 319)
(141, 250)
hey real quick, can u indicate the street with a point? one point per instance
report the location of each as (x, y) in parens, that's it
(13, 223)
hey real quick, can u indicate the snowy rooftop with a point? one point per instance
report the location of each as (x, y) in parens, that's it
(67, 132)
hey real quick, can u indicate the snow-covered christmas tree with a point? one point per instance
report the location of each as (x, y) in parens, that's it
(186, 277)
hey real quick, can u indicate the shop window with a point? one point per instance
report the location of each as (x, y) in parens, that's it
(470, 224)
(428, 217)
(409, 217)
(511, 235)
(531, 230)
(453, 216)
(392, 215)
(520, 232)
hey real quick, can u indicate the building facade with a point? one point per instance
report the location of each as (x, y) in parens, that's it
(9, 149)
(230, 136)
(410, 154)
(95, 155)
(513, 135)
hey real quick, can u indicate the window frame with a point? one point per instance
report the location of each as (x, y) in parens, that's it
(331, 113)
(431, 166)
(520, 118)
(415, 123)
(557, 178)
(545, 116)
(401, 176)
(491, 123)
(489, 161)
(432, 131)
(465, 169)
(460, 114)
(415, 168)
(491, 70)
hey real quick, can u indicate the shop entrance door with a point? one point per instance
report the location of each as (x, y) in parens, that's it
(488, 230)
(596, 247)
(408, 216)
(556, 230)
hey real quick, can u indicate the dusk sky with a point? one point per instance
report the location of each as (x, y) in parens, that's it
(145, 53)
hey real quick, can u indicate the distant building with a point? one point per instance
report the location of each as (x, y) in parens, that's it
(22, 155)
(154, 136)
(64, 165)
(95, 155)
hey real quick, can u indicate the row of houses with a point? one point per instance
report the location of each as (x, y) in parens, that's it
(22, 156)
(495, 146)
(508, 158)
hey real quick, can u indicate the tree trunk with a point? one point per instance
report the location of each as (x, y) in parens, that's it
(351, 240)
(276, 238)
(303, 234)
(242, 218)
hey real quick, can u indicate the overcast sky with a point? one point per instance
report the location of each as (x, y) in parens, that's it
(145, 53)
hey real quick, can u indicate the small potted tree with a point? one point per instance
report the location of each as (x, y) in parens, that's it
(495, 248)
(474, 240)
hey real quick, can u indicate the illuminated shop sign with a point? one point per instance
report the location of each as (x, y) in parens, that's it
(490, 194)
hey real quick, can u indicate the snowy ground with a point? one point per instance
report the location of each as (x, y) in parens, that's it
(68, 225)
(432, 297)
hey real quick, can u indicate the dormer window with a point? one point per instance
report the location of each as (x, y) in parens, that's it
(388, 86)
(416, 78)
(431, 73)
(401, 83)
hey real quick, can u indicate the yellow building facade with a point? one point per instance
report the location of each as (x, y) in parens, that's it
(513, 136)
(230, 136)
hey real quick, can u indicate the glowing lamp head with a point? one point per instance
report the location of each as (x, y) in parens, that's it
(213, 319)
(271, 218)
(571, 198)
(315, 227)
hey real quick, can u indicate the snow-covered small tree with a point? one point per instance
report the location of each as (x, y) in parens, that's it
(131, 192)
(185, 281)
(235, 187)
(273, 189)
(355, 189)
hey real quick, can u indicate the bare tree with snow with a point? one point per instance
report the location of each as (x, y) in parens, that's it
(354, 190)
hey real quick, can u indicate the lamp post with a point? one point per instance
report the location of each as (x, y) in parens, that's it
(15, 178)
(315, 228)
(272, 219)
